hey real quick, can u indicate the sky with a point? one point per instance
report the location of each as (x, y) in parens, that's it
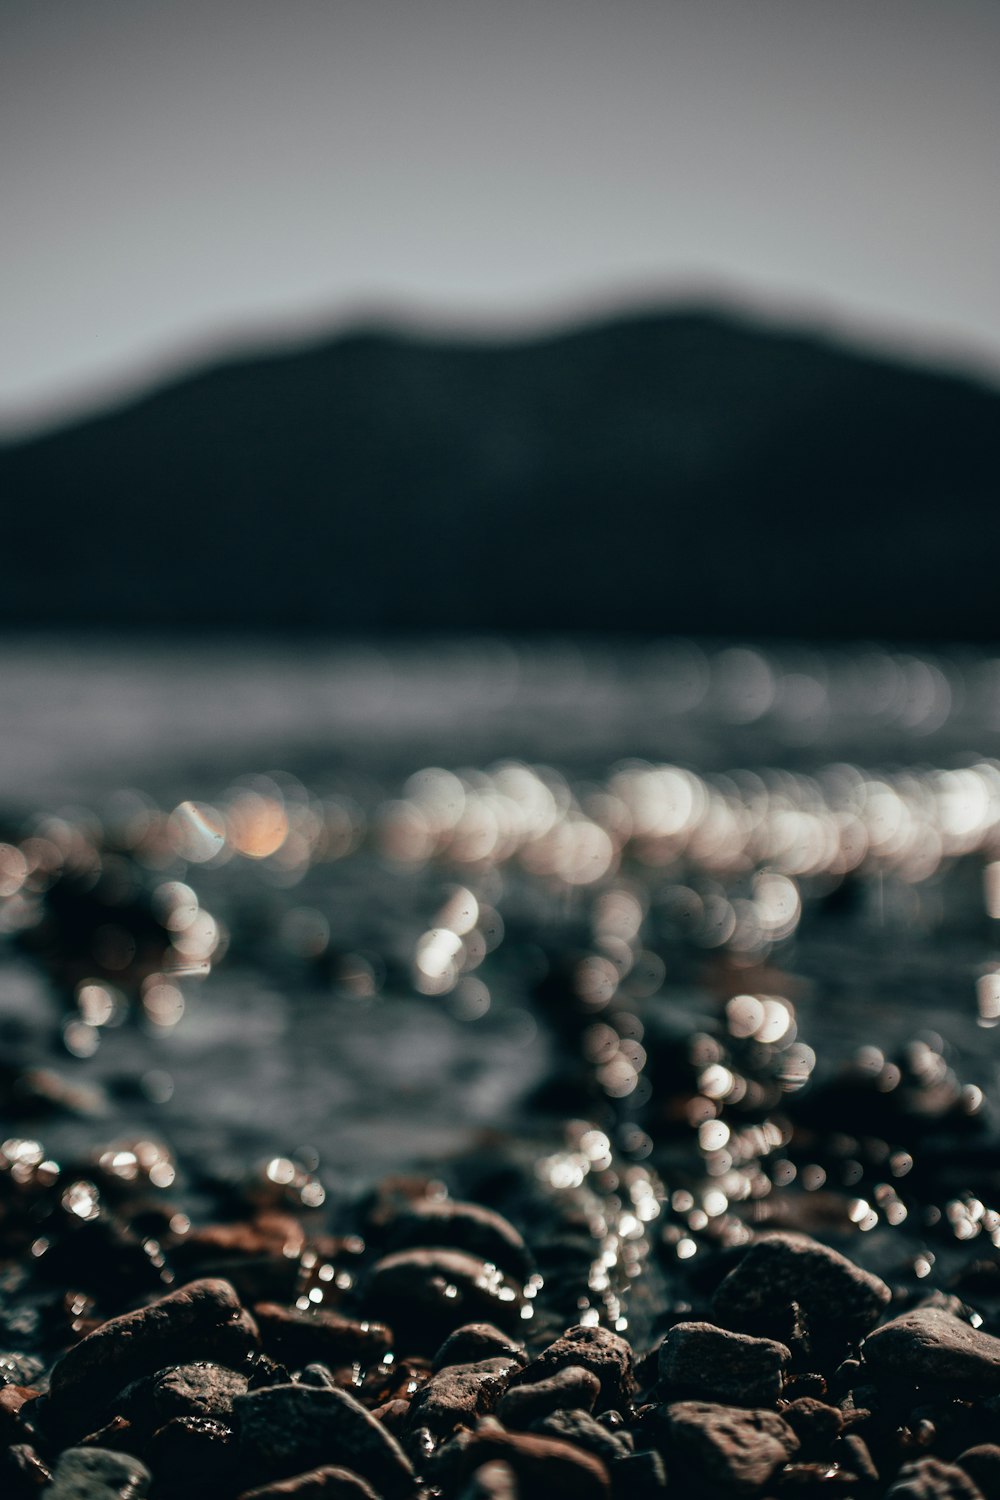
(180, 178)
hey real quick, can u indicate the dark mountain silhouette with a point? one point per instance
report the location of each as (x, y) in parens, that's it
(682, 472)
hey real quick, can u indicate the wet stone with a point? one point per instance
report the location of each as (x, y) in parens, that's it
(492, 1481)
(476, 1341)
(604, 1353)
(22, 1472)
(458, 1394)
(579, 1427)
(201, 1320)
(930, 1479)
(982, 1464)
(729, 1445)
(544, 1466)
(461, 1226)
(288, 1428)
(198, 1390)
(572, 1387)
(931, 1345)
(713, 1364)
(19, 1369)
(322, 1335)
(814, 1423)
(839, 1300)
(98, 1474)
(426, 1294)
(326, 1483)
(858, 1458)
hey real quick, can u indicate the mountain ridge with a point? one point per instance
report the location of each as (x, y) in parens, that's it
(679, 470)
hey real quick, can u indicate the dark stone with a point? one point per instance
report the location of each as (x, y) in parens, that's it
(605, 1354)
(713, 1364)
(982, 1464)
(815, 1424)
(491, 1481)
(585, 1431)
(322, 1335)
(476, 1341)
(729, 1445)
(326, 1483)
(637, 1475)
(98, 1474)
(317, 1375)
(840, 1301)
(12, 1399)
(198, 1390)
(284, 1428)
(192, 1452)
(458, 1394)
(930, 1479)
(858, 1458)
(571, 1388)
(544, 1467)
(203, 1320)
(928, 1344)
(426, 1294)
(461, 1226)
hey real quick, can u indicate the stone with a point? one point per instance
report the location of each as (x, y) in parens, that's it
(425, 1294)
(638, 1475)
(572, 1387)
(320, 1336)
(929, 1344)
(288, 1428)
(202, 1389)
(982, 1464)
(814, 1423)
(457, 1395)
(731, 1446)
(931, 1479)
(98, 1474)
(475, 1341)
(461, 1226)
(713, 1364)
(579, 1427)
(544, 1467)
(325, 1483)
(839, 1300)
(203, 1320)
(605, 1354)
(491, 1481)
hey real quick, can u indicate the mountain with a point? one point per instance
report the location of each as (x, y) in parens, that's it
(686, 471)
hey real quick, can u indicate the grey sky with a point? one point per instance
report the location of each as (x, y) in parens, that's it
(180, 175)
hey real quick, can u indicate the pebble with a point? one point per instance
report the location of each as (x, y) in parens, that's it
(426, 1294)
(458, 1394)
(713, 1364)
(814, 1423)
(461, 1226)
(929, 1344)
(930, 1479)
(571, 1388)
(326, 1483)
(286, 1428)
(575, 1426)
(605, 1354)
(840, 1301)
(491, 1481)
(98, 1474)
(322, 1335)
(982, 1463)
(203, 1319)
(729, 1445)
(544, 1467)
(198, 1390)
(475, 1341)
